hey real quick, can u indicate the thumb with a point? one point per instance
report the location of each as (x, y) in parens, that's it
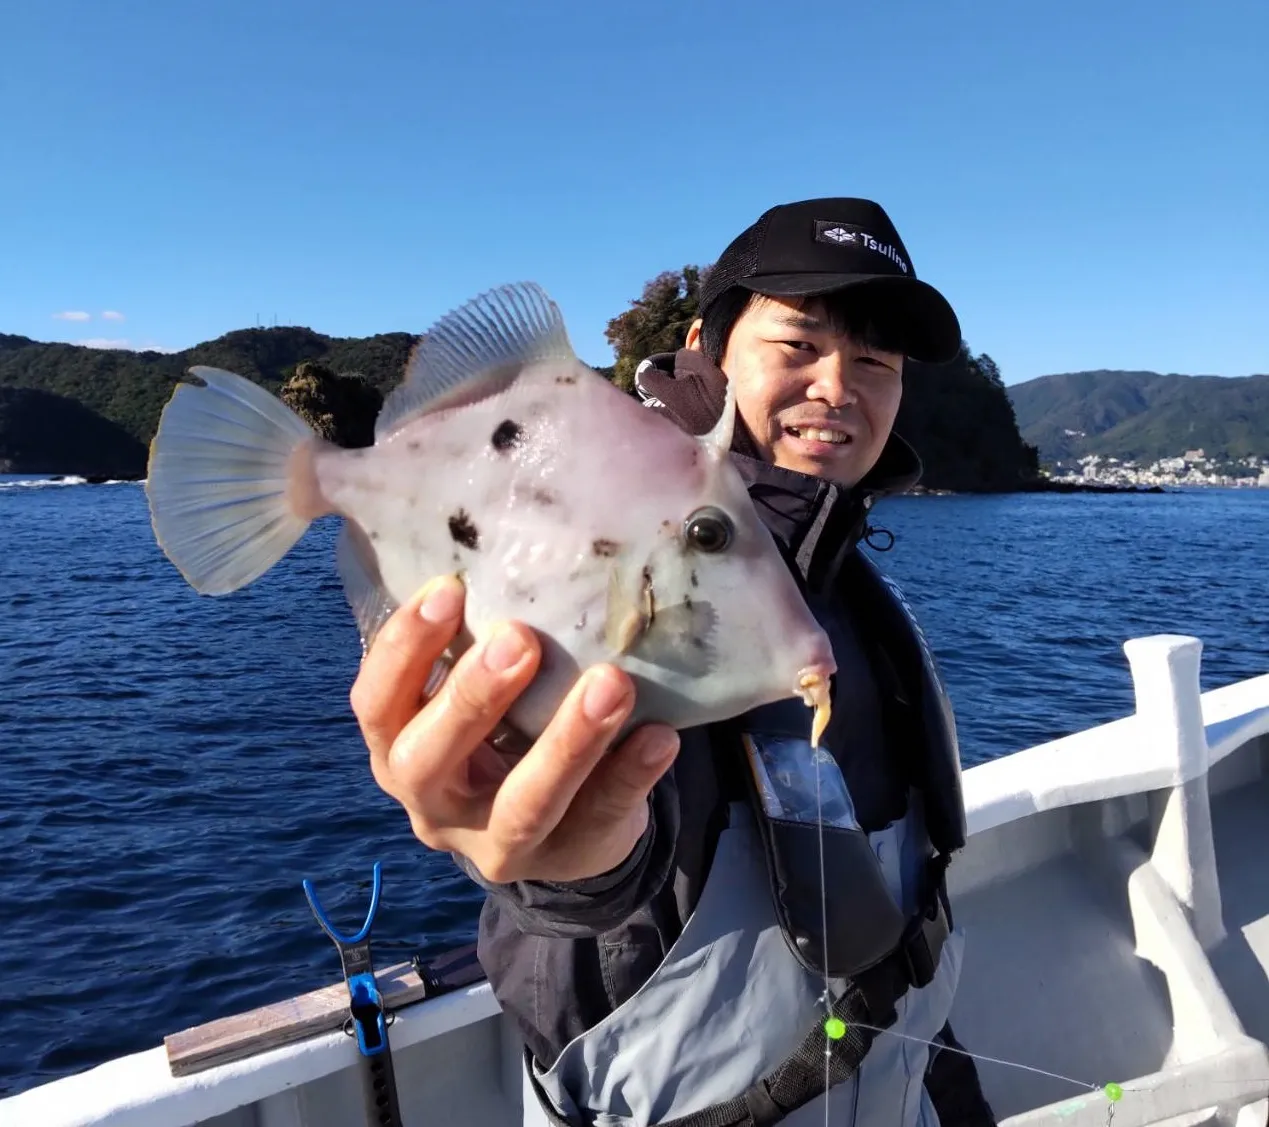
(622, 782)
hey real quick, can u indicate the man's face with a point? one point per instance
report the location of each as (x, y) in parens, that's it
(814, 400)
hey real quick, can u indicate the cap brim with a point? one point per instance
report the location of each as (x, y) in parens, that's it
(930, 327)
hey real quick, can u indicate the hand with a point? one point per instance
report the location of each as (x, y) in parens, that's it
(569, 809)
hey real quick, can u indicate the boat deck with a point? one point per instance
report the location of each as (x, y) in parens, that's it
(1080, 960)
(1241, 960)
(1051, 980)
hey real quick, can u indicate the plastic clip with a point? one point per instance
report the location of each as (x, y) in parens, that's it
(366, 1002)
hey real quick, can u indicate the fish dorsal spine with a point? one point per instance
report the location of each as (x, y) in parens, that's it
(717, 441)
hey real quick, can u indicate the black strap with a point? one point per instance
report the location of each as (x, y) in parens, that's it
(451, 970)
(800, 1078)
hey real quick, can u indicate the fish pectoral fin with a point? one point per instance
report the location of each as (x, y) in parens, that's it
(477, 351)
(631, 609)
(681, 639)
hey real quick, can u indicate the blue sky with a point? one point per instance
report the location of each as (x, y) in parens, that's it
(1086, 181)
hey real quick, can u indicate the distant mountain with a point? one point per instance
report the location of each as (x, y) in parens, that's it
(127, 390)
(1143, 415)
(45, 433)
(77, 410)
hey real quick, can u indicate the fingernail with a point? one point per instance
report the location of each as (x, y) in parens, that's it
(604, 695)
(503, 650)
(659, 746)
(443, 600)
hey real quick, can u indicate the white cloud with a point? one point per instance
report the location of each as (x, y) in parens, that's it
(112, 315)
(109, 342)
(73, 315)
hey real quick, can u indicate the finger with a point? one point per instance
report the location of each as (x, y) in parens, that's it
(540, 788)
(394, 673)
(623, 780)
(429, 761)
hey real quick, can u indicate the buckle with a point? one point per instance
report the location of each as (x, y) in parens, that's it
(922, 944)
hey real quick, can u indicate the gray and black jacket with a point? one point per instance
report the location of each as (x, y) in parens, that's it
(562, 958)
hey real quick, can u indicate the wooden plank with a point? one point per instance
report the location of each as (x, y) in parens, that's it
(293, 1019)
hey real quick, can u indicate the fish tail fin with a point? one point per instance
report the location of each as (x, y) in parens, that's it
(229, 487)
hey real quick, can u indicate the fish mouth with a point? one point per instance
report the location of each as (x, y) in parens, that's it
(812, 687)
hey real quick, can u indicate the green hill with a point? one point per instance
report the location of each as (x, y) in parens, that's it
(93, 411)
(45, 433)
(129, 389)
(1143, 416)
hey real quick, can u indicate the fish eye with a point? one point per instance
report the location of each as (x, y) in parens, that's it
(709, 530)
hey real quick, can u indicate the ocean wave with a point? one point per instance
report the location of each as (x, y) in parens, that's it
(52, 481)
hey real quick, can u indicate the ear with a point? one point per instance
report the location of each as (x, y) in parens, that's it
(694, 336)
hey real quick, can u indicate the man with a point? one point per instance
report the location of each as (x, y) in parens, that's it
(695, 927)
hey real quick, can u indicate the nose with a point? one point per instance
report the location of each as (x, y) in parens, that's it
(833, 383)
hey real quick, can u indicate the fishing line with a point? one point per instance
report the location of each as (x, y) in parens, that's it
(978, 1056)
(1112, 1091)
(828, 1006)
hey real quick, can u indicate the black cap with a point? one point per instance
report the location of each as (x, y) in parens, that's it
(816, 247)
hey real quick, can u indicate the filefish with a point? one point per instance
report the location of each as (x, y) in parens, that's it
(557, 499)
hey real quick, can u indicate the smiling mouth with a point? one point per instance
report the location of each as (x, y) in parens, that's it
(818, 434)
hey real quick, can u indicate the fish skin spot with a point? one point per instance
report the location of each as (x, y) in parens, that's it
(565, 380)
(605, 548)
(414, 445)
(692, 578)
(463, 530)
(374, 535)
(518, 590)
(545, 497)
(507, 435)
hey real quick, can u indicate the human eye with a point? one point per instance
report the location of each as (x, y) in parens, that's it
(877, 365)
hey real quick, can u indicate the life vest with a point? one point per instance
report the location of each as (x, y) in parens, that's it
(729, 1031)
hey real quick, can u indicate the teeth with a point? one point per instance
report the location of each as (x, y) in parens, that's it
(816, 435)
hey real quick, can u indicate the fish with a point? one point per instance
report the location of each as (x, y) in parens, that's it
(557, 499)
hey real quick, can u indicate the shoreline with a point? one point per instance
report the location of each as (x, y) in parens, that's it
(1044, 486)
(1039, 486)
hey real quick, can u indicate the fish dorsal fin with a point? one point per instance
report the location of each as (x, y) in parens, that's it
(476, 351)
(718, 439)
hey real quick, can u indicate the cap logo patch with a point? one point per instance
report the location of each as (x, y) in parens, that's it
(840, 235)
(848, 235)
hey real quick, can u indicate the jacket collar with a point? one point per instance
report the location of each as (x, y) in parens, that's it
(816, 522)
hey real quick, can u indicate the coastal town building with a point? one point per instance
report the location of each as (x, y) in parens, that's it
(1193, 468)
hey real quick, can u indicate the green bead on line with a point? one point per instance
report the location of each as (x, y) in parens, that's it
(835, 1028)
(1114, 1092)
